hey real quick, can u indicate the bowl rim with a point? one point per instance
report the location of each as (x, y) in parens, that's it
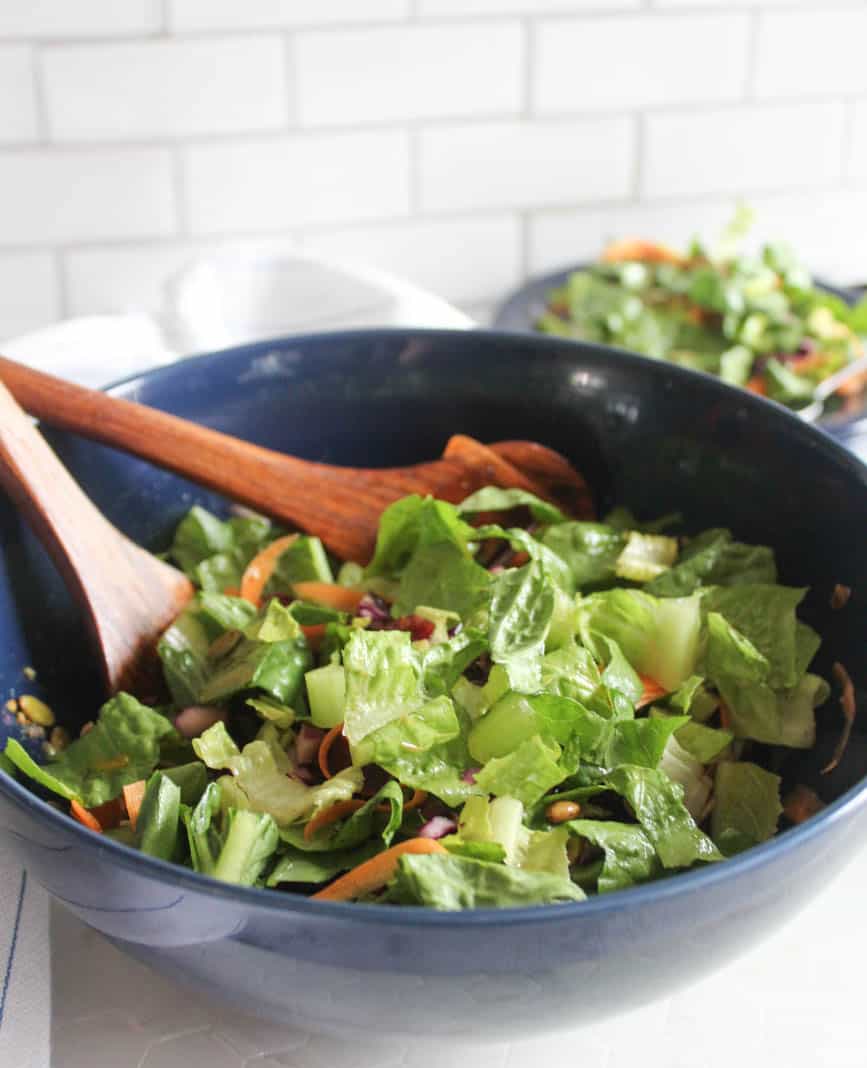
(278, 902)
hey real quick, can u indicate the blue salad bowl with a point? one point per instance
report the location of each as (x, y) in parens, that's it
(646, 434)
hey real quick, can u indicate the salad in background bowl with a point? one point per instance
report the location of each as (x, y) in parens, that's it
(755, 319)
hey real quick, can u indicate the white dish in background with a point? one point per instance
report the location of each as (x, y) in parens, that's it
(252, 292)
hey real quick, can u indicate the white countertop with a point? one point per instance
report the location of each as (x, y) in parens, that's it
(796, 1000)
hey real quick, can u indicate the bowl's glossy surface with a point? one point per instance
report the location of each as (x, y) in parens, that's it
(520, 309)
(645, 433)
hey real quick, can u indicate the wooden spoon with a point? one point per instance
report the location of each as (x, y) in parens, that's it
(127, 595)
(342, 505)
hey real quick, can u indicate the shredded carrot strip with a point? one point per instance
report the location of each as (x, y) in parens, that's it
(757, 385)
(376, 872)
(725, 716)
(847, 703)
(652, 691)
(330, 594)
(133, 796)
(84, 816)
(331, 815)
(109, 814)
(261, 568)
(416, 801)
(314, 633)
(325, 747)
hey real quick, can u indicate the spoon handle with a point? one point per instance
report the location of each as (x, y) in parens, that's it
(105, 572)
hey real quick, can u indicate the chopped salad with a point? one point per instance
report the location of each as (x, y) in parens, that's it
(754, 320)
(505, 707)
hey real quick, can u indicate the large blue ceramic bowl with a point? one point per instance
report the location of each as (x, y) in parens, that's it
(645, 433)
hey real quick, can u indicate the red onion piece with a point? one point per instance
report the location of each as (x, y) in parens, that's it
(470, 775)
(307, 742)
(194, 719)
(438, 827)
(305, 775)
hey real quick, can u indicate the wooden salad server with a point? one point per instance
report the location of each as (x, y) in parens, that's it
(128, 596)
(341, 505)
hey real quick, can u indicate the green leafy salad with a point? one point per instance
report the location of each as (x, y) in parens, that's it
(755, 320)
(505, 707)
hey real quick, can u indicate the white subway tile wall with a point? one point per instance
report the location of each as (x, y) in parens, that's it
(460, 143)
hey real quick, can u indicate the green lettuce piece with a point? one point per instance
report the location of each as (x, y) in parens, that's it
(122, 747)
(203, 833)
(777, 717)
(183, 652)
(443, 576)
(409, 525)
(645, 556)
(276, 667)
(215, 747)
(553, 567)
(658, 636)
(191, 779)
(658, 806)
(275, 623)
(309, 615)
(219, 612)
(630, 857)
(571, 671)
(526, 774)
(545, 851)
(618, 673)
(491, 851)
(730, 655)
(747, 806)
(383, 681)
(158, 824)
(684, 696)
(476, 700)
(642, 741)
(260, 780)
(623, 520)
(703, 743)
(807, 643)
(368, 820)
(521, 609)
(199, 534)
(682, 768)
(282, 716)
(417, 730)
(714, 559)
(297, 866)
(250, 842)
(304, 560)
(444, 664)
(766, 616)
(449, 882)
(590, 550)
(494, 499)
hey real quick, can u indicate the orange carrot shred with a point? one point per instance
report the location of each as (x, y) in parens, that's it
(314, 633)
(84, 816)
(331, 815)
(325, 747)
(416, 801)
(725, 716)
(133, 795)
(376, 872)
(261, 568)
(330, 594)
(109, 814)
(652, 691)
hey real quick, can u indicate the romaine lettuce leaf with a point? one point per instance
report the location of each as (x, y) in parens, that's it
(553, 567)
(522, 605)
(526, 774)
(122, 747)
(642, 741)
(250, 842)
(297, 866)
(364, 823)
(629, 854)
(645, 556)
(276, 667)
(590, 550)
(304, 560)
(158, 825)
(658, 806)
(203, 833)
(444, 664)
(448, 882)
(781, 717)
(545, 851)
(765, 615)
(410, 524)
(443, 576)
(494, 499)
(416, 730)
(747, 806)
(714, 559)
(383, 681)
